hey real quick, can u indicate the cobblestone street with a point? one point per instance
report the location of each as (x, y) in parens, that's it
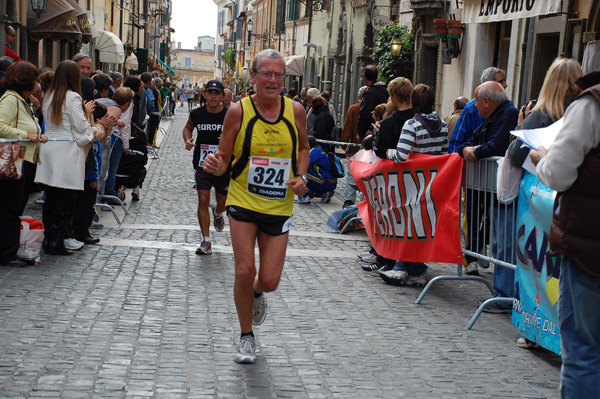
(141, 316)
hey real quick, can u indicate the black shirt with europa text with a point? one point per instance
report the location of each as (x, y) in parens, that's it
(209, 127)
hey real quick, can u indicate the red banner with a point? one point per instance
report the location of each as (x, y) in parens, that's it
(411, 211)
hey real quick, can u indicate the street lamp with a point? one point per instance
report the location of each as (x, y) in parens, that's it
(39, 6)
(396, 46)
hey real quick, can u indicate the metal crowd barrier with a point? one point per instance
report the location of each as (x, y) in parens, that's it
(166, 110)
(106, 148)
(484, 222)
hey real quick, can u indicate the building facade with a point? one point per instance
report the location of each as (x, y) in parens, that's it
(99, 28)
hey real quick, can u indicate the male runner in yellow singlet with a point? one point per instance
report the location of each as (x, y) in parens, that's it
(266, 134)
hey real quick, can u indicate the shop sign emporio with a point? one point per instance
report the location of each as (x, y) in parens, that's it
(482, 11)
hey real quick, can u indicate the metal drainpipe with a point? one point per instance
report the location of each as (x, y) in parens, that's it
(2, 27)
(121, 21)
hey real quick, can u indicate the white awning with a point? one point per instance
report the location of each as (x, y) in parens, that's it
(131, 62)
(294, 65)
(110, 47)
(482, 11)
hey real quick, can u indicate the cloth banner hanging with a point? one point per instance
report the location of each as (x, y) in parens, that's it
(411, 211)
(535, 308)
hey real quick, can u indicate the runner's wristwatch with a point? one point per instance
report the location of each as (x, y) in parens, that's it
(304, 178)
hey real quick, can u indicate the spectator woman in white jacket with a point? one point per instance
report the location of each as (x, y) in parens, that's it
(62, 167)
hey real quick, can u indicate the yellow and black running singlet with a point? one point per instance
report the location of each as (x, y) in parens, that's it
(265, 156)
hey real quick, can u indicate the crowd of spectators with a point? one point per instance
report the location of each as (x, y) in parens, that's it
(86, 137)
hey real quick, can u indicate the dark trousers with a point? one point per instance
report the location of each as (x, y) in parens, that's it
(477, 204)
(153, 123)
(12, 193)
(84, 212)
(28, 177)
(56, 208)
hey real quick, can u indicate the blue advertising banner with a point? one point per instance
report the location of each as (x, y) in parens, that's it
(535, 308)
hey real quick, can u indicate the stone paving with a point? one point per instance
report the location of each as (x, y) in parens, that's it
(142, 316)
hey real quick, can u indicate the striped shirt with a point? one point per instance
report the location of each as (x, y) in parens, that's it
(424, 134)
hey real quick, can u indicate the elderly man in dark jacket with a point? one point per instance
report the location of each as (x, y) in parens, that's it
(491, 138)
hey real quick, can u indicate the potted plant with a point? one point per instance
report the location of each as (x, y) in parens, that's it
(441, 27)
(455, 29)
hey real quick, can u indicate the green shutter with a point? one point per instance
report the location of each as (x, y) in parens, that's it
(280, 20)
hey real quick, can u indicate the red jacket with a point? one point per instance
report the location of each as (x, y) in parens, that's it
(12, 54)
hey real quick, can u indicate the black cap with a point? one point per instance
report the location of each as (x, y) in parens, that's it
(215, 85)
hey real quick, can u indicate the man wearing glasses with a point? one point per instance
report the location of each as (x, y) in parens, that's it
(10, 38)
(266, 134)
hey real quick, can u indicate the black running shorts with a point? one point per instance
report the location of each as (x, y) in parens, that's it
(272, 225)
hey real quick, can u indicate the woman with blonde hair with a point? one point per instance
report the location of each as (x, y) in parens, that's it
(558, 92)
(63, 161)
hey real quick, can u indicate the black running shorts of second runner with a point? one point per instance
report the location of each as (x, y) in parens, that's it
(205, 181)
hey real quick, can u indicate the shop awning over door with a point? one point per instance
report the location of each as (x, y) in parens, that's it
(131, 62)
(57, 22)
(482, 11)
(83, 21)
(294, 65)
(110, 47)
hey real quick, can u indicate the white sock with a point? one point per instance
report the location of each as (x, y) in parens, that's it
(207, 239)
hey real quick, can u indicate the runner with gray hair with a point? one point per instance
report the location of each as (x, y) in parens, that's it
(260, 200)
(268, 53)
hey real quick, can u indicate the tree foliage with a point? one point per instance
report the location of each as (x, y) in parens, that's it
(390, 66)
(230, 58)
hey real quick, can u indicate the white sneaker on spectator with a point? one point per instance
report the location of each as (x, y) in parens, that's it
(417, 280)
(73, 244)
(369, 258)
(326, 197)
(394, 277)
(471, 269)
(304, 200)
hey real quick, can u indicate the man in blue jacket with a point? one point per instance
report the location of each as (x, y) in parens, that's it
(320, 178)
(469, 119)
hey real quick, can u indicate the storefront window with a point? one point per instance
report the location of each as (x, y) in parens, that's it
(502, 44)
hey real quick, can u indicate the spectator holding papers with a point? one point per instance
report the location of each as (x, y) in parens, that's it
(558, 92)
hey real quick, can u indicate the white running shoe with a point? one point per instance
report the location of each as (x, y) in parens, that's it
(246, 351)
(259, 311)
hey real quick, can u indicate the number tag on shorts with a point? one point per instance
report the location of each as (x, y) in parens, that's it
(267, 177)
(206, 149)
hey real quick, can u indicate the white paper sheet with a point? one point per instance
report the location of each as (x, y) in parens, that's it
(544, 136)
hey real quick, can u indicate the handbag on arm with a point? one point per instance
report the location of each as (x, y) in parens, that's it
(12, 156)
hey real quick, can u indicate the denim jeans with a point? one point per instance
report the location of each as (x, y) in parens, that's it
(579, 323)
(349, 192)
(413, 269)
(116, 151)
(503, 248)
